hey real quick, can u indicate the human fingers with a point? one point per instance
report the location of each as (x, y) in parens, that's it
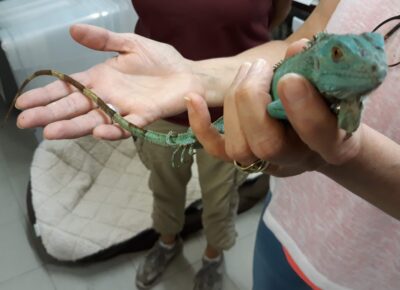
(98, 38)
(315, 124)
(115, 132)
(63, 109)
(76, 127)
(50, 93)
(200, 122)
(235, 142)
(264, 135)
(110, 132)
(296, 47)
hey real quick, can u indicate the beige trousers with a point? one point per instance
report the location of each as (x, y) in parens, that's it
(219, 183)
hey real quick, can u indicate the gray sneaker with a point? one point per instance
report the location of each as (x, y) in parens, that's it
(155, 263)
(209, 276)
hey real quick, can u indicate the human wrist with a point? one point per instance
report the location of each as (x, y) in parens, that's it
(373, 173)
(217, 74)
(352, 156)
(215, 77)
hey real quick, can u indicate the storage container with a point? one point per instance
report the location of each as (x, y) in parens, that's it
(35, 35)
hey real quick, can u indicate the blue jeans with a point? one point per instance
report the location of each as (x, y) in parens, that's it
(271, 269)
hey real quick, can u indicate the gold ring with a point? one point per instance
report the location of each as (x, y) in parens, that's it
(257, 166)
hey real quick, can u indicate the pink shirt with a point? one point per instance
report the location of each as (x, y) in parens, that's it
(337, 239)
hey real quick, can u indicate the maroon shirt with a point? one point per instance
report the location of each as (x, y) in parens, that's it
(201, 29)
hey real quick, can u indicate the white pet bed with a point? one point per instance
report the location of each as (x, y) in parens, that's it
(89, 196)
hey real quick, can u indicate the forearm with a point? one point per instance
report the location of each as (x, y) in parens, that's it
(281, 9)
(374, 174)
(217, 74)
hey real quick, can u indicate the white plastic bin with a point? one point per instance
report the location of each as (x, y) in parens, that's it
(34, 34)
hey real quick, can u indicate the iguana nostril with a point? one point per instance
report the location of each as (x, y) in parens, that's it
(379, 71)
(364, 53)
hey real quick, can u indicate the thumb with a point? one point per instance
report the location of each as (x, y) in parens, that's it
(98, 38)
(303, 103)
(309, 115)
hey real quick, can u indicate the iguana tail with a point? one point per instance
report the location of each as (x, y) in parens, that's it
(170, 140)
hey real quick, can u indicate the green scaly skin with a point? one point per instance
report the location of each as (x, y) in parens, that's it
(343, 68)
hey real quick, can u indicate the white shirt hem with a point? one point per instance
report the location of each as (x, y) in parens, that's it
(301, 260)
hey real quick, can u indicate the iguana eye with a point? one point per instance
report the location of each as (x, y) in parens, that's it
(337, 53)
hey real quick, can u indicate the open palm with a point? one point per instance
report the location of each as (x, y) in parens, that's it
(145, 81)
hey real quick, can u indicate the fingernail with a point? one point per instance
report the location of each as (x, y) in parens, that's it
(19, 119)
(295, 91)
(189, 103)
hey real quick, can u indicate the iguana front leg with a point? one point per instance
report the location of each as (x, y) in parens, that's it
(349, 115)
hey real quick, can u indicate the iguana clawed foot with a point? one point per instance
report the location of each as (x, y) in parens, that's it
(349, 115)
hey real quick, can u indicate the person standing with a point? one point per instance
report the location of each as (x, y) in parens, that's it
(198, 30)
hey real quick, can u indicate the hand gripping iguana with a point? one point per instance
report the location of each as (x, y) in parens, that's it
(343, 68)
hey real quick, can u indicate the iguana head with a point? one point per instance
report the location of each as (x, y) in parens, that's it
(349, 66)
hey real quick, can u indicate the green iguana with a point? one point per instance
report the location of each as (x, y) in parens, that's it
(344, 69)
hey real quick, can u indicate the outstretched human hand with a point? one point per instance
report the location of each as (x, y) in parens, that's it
(312, 141)
(145, 81)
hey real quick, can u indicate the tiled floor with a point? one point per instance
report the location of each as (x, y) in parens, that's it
(22, 268)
